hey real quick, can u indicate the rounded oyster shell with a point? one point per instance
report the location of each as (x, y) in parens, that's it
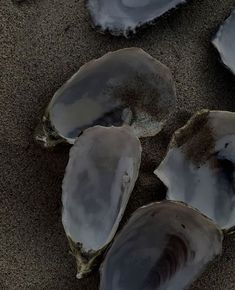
(199, 167)
(224, 42)
(122, 17)
(127, 86)
(100, 176)
(164, 246)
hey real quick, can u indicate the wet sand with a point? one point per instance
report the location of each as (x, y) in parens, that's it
(42, 43)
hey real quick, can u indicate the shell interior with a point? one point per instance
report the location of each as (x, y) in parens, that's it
(100, 176)
(164, 246)
(127, 86)
(120, 17)
(224, 42)
(199, 167)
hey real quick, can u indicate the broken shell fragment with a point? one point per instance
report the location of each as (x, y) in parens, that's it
(100, 176)
(199, 167)
(224, 42)
(164, 246)
(122, 17)
(127, 86)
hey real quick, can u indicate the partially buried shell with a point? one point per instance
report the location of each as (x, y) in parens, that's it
(101, 173)
(164, 246)
(122, 17)
(127, 86)
(224, 42)
(199, 167)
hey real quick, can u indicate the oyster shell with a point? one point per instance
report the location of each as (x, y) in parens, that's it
(199, 167)
(127, 86)
(164, 246)
(122, 17)
(224, 42)
(100, 176)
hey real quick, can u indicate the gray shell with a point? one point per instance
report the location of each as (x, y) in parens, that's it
(224, 42)
(127, 86)
(164, 246)
(199, 167)
(100, 176)
(122, 17)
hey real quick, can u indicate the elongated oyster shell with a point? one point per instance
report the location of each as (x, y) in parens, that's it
(224, 42)
(122, 17)
(164, 246)
(127, 86)
(199, 167)
(100, 176)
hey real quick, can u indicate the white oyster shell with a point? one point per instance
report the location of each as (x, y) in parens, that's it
(100, 176)
(127, 86)
(199, 167)
(164, 246)
(224, 42)
(120, 17)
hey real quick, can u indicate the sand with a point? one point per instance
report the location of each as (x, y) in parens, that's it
(43, 42)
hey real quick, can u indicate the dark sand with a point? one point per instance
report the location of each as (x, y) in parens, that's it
(43, 42)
